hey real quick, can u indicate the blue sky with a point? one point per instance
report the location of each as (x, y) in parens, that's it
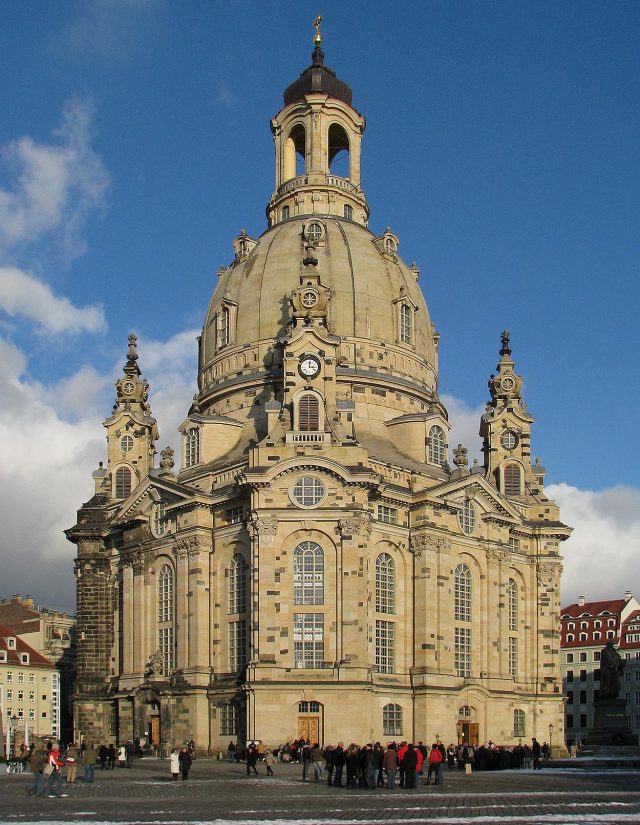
(501, 147)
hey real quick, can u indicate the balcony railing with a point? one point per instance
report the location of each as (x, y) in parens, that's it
(330, 180)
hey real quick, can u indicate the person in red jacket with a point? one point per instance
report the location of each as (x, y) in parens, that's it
(401, 770)
(435, 760)
(55, 777)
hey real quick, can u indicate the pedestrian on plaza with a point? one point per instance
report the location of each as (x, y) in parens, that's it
(231, 752)
(451, 756)
(401, 772)
(174, 764)
(37, 761)
(185, 762)
(54, 767)
(339, 759)
(535, 754)
(122, 756)
(103, 756)
(306, 760)
(390, 765)
(111, 759)
(435, 759)
(252, 758)
(72, 757)
(410, 763)
(317, 761)
(89, 759)
(129, 750)
(328, 761)
(268, 761)
(546, 752)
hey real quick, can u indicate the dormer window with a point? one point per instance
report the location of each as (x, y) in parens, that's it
(404, 314)
(11, 643)
(223, 327)
(225, 321)
(390, 246)
(192, 447)
(24, 658)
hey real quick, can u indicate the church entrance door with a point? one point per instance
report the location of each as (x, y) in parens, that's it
(154, 730)
(471, 733)
(309, 728)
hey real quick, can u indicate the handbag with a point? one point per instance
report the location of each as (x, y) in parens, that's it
(48, 769)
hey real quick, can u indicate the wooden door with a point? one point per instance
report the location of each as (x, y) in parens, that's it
(471, 733)
(309, 728)
(155, 730)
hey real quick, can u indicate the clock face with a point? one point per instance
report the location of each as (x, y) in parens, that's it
(128, 387)
(309, 366)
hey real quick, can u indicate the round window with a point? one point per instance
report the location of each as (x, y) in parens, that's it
(126, 443)
(509, 440)
(467, 517)
(308, 491)
(314, 232)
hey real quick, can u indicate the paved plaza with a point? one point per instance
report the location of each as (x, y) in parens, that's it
(222, 793)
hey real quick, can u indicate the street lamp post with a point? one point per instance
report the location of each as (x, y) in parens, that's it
(459, 731)
(550, 735)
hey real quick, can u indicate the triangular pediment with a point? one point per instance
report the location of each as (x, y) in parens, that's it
(476, 486)
(149, 492)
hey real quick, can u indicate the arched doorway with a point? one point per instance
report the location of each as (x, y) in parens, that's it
(310, 721)
(467, 726)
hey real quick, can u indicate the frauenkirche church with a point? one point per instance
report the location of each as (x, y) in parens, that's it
(311, 565)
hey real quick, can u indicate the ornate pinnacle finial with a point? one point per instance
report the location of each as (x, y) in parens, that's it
(317, 37)
(460, 456)
(505, 350)
(132, 354)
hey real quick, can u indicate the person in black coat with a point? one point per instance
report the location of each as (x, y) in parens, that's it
(338, 763)
(184, 760)
(410, 763)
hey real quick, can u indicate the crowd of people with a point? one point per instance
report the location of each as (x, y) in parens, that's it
(374, 766)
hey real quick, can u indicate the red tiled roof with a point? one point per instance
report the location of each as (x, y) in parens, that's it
(13, 654)
(593, 608)
(18, 618)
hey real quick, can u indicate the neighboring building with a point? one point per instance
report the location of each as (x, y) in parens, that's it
(586, 629)
(29, 690)
(53, 634)
(315, 567)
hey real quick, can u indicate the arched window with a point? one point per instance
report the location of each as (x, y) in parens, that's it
(583, 637)
(294, 153)
(348, 211)
(584, 625)
(518, 722)
(192, 447)
(238, 580)
(467, 517)
(437, 446)
(405, 324)
(123, 482)
(392, 720)
(338, 151)
(462, 593)
(385, 584)
(166, 618)
(285, 213)
(597, 635)
(308, 574)
(570, 637)
(308, 413)
(512, 594)
(223, 327)
(512, 480)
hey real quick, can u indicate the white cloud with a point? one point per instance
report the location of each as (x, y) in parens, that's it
(601, 557)
(21, 294)
(54, 186)
(465, 423)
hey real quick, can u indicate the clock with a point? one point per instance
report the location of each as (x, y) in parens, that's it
(309, 366)
(128, 387)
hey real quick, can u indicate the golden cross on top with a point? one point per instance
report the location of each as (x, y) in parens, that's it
(317, 37)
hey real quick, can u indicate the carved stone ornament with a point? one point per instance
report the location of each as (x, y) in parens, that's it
(263, 526)
(133, 558)
(354, 526)
(549, 573)
(191, 546)
(495, 554)
(155, 665)
(420, 544)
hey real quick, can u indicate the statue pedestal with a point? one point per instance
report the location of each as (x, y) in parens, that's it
(610, 732)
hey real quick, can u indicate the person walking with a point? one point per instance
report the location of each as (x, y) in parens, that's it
(390, 765)
(54, 767)
(185, 762)
(268, 761)
(129, 750)
(410, 763)
(435, 758)
(535, 754)
(103, 756)
(252, 758)
(339, 759)
(72, 757)
(112, 756)
(37, 761)
(317, 760)
(174, 764)
(89, 759)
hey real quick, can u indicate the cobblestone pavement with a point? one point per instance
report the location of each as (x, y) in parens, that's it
(222, 793)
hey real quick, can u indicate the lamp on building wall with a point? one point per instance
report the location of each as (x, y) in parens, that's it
(550, 734)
